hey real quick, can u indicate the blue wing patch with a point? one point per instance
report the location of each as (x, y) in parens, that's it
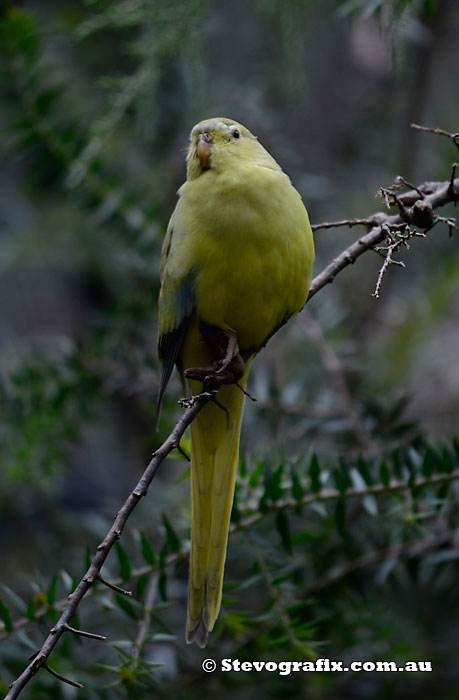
(177, 308)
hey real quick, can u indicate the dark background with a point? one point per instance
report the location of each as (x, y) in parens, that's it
(97, 101)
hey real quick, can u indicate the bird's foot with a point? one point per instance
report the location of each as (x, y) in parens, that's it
(215, 375)
(232, 352)
(228, 366)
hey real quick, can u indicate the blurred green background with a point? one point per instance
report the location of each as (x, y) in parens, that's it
(97, 100)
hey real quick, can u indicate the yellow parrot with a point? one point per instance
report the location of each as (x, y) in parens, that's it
(236, 264)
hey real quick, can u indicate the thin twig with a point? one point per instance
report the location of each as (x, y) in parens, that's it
(118, 589)
(248, 521)
(59, 148)
(410, 549)
(394, 243)
(83, 633)
(104, 548)
(332, 365)
(439, 194)
(182, 452)
(145, 622)
(334, 495)
(451, 180)
(440, 132)
(276, 595)
(401, 179)
(61, 677)
(370, 222)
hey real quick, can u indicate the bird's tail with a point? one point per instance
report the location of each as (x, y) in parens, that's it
(214, 459)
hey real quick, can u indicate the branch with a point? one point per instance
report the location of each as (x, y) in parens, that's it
(370, 222)
(102, 551)
(413, 210)
(409, 549)
(441, 132)
(338, 382)
(394, 243)
(245, 523)
(144, 626)
(76, 167)
(335, 495)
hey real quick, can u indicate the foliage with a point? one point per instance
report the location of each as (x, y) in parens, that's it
(388, 517)
(346, 504)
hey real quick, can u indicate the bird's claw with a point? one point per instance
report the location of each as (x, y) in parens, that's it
(213, 376)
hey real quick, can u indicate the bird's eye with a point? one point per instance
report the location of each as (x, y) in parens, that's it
(236, 134)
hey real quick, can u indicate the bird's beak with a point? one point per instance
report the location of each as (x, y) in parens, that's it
(203, 147)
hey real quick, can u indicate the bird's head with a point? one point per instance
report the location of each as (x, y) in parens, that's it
(220, 143)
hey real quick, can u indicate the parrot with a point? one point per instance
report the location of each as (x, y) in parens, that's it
(236, 264)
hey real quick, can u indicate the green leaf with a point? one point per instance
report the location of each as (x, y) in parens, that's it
(24, 638)
(163, 637)
(226, 600)
(125, 605)
(273, 488)
(442, 494)
(369, 501)
(384, 474)
(283, 577)
(446, 461)
(172, 538)
(297, 489)
(5, 617)
(283, 528)
(456, 446)
(397, 464)
(429, 8)
(51, 593)
(340, 516)
(186, 475)
(30, 611)
(142, 584)
(236, 514)
(67, 580)
(263, 504)
(298, 606)
(147, 552)
(14, 600)
(256, 473)
(163, 555)
(162, 585)
(428, 463)
(340, 480)
(250, 582)
(314, 474)
(362, 467)
(242, 465)
(124, 563)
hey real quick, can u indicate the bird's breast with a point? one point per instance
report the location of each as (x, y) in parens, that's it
(253, 251)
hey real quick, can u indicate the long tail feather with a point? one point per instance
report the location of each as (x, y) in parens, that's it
(214, 460)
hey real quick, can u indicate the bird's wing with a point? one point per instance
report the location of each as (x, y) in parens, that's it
(176, 302)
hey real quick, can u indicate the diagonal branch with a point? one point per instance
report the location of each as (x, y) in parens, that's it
(103, 549)
(407, 549)
(415, 211)
(440, 132)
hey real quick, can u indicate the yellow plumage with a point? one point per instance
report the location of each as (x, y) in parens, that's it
(237, 258)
